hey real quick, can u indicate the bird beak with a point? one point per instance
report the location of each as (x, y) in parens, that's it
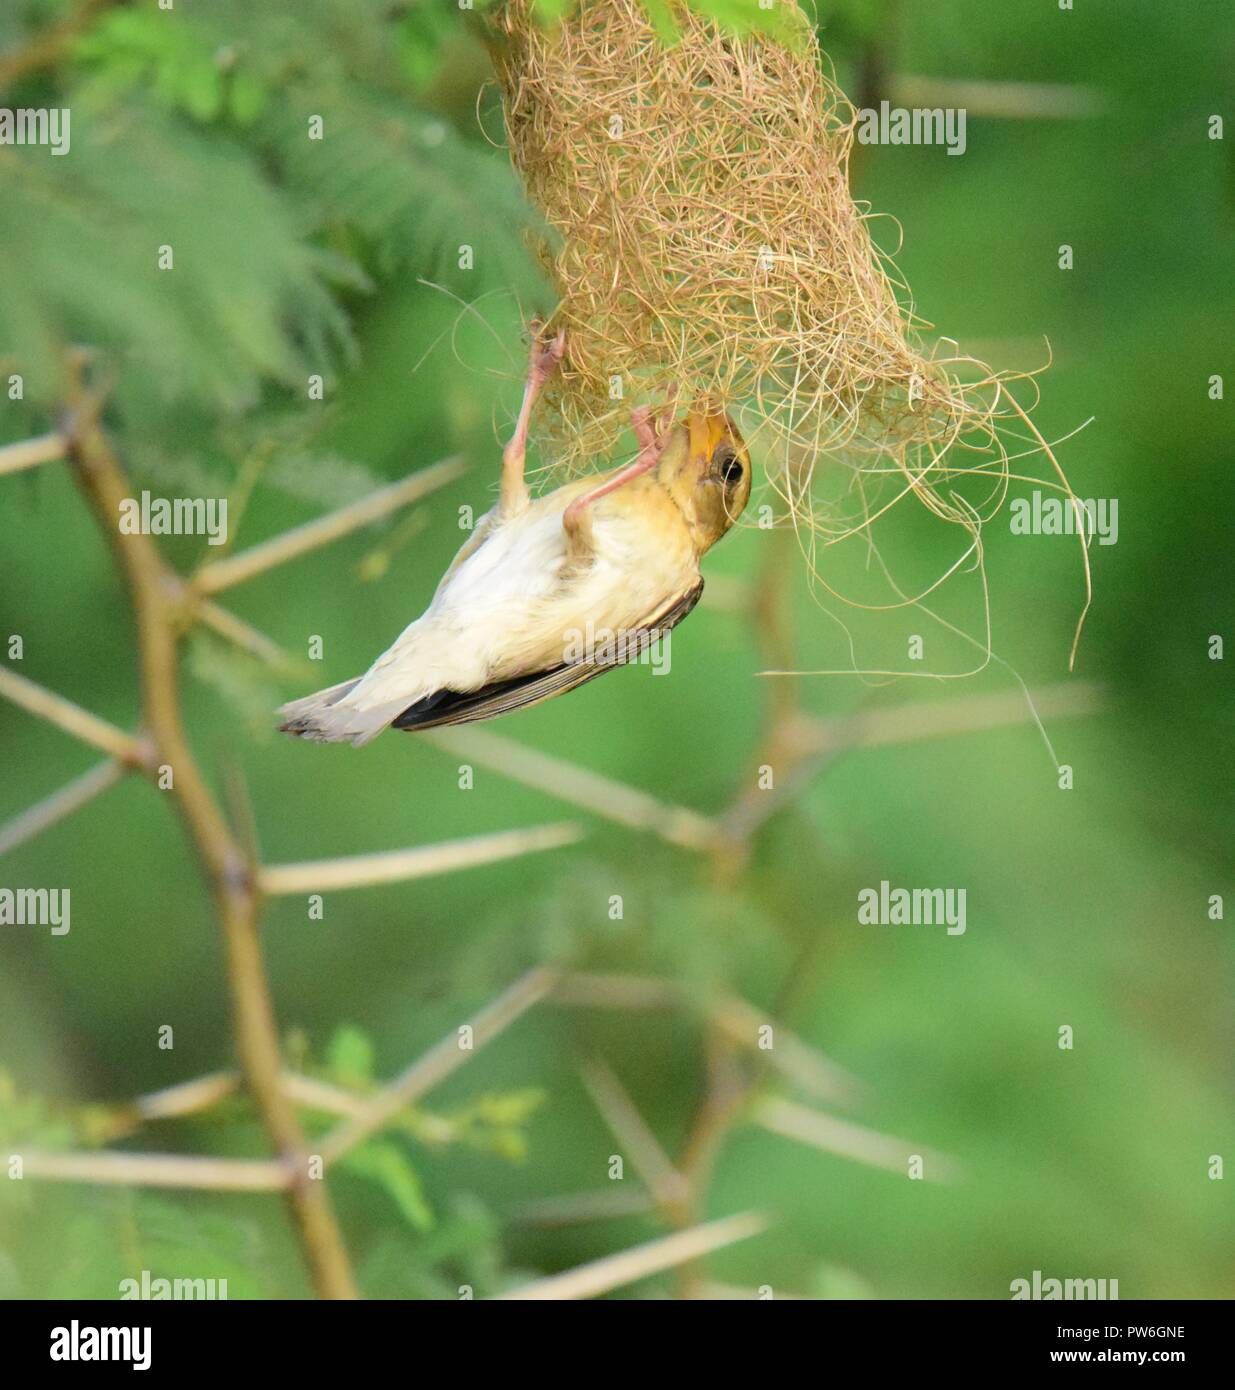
(706, 432)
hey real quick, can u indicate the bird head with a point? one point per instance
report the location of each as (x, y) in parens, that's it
(706, 469)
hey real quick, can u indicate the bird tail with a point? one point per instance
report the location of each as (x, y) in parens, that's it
(356, 711)
(326, 717)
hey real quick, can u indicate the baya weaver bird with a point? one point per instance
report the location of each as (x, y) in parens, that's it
(615, 553)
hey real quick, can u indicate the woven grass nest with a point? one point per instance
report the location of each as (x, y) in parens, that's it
(704, 245)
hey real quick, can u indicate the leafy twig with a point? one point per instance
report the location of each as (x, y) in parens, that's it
(438, 1063)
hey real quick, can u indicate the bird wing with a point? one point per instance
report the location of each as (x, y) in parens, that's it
(501, 697)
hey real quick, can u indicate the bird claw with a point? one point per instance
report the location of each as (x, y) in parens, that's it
(648, 423)
(651, 424)
(545, 356)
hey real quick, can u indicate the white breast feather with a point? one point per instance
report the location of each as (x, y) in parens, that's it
(508, 608)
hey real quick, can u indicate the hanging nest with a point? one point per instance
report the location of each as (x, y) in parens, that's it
(707, 247)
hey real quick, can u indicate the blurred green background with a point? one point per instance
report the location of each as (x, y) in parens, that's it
(1086, 908)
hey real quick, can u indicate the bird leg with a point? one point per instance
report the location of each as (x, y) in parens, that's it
(651, 441)
(542, 364)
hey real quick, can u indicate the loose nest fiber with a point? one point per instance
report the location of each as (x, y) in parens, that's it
(706, 246)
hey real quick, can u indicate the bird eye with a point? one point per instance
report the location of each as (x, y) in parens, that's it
(730, 467)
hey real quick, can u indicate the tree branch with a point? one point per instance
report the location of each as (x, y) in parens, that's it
(153, 591)
(29, 453)
(161, 1170)
(422, 861)
(614, 1271)
(446, 1057)
(666, 1185)
(46, 704)
(235, 569)
(567, 781)
(830, 1134)
(243, 635)
(1017, 101)
(46, 813)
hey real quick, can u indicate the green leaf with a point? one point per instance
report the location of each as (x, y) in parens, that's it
(421, 35)
(247, 300)
(550, 11)
(510, 1107)
(410, 185)
(176, 1240)
(247, 98)
(200, 89)
(386, 1164)
(29, 1119)
(350, 1057)
(783, 22)
(660, 12)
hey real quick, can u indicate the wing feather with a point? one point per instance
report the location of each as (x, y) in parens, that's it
(501, 697)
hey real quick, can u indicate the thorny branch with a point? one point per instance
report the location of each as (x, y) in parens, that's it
(164, 607)
(229, 874)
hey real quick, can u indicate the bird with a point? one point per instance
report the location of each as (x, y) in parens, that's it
(551, 591)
